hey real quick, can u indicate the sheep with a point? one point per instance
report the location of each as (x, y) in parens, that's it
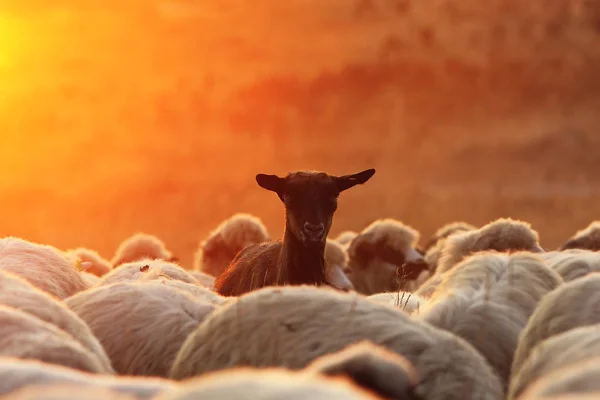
(146, 270)
(141, 324)
(487, 299)
(292, 326)
(24, 336)
(346, 237)
(586, 239)
(198, 291)
(502, 235)
(427, 288)
(142, 246)
(19, 294)
(46, 267)
(267, 384)
(204, 279)
(434, 247)
(89, 279)
(383, 257)
(447, 230)
(65, 392)
(574, 263)
(580, 377)
(555, 353)
(310, 201)
(336, 263)
(229, 238)
(407, 302)
(99, 266)
(372, 367)
(16, 374)
(555, 314)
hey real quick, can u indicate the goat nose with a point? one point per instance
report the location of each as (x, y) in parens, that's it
(313, 228)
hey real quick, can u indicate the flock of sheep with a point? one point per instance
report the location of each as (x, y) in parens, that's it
(474, 313)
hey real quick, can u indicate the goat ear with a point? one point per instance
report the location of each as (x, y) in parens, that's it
(272, 183)
(347, 181)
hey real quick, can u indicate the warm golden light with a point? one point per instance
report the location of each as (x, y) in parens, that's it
(10, 39)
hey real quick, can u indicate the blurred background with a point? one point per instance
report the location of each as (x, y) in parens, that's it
(155, 115)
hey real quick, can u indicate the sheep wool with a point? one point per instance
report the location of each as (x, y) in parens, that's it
(258, 330)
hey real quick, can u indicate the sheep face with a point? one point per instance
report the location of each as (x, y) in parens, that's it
(310, 200)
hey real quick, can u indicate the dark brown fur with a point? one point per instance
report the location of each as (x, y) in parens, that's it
(310, 200)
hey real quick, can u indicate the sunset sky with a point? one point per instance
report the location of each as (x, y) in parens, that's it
(120, 112)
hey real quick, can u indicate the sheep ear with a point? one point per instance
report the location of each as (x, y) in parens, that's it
(272, 183)
(347, 181)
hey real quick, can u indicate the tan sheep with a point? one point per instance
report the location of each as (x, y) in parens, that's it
(46, 267)
(336, 265)
(405, 301)
(17, 374)
(555, 353)
(487, 299)
(372, 367)
(141, 246)
(267, 384)
(24, 336)
(146, 270)
(578, 378)
(346, 237)
(19, 294)
(99, 266)
(89, 279)
(586, 239)
(142, 324)
(226, 240)
(292, 326)
(571, 305)
(384, 258)
(502, 235)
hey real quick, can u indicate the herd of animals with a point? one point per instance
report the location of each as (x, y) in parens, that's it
(476, 312)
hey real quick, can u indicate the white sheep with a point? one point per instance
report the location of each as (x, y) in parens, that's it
(577, 378)
(372, 367)
(145, 270)
(573, 264)
(556, 314)
(203, 278)
(231, 236)
(560, 351)
(586, 239)
(487, 299)
(16, 374)
(502, 235)
(198, 291)
(99, 266)
(17, 293)
(89, 279)
(267, 384)
(292, 326)
(46, 267)
(24, 336)
(66, 392)
(384, 258)
(142, 324)
(405, 301)
(141, 246)
(447, 230)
